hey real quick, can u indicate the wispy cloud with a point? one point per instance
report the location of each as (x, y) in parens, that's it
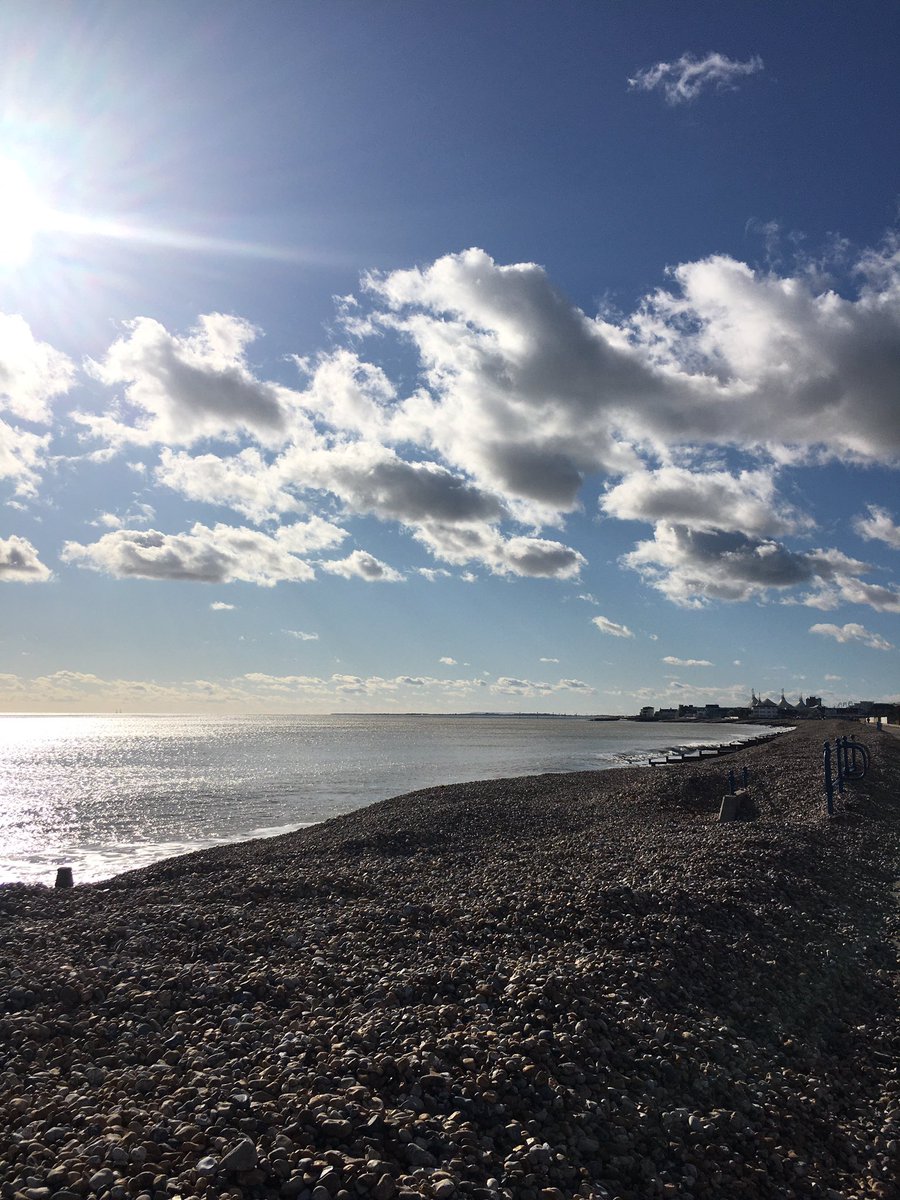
(686, 662)
(612, 627)
(221, 606)
(301, 636)
(851, 632)
(447, 661)
(684, 79)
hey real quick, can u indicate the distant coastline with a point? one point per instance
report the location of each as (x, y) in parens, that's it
(531, 716)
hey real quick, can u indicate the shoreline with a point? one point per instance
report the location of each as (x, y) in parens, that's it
(540, 987)
(126, 843)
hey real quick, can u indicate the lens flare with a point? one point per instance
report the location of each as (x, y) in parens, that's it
(20, 214)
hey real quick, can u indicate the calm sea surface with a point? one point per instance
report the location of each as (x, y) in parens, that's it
(106, 794)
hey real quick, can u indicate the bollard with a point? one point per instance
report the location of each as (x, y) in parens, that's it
(829, 786)
(745, 776)
(64, 877)
(731, 782)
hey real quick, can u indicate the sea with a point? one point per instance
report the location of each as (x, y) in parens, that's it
(105, 794)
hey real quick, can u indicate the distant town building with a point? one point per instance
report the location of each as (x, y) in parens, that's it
(761, 708)
(764, 710)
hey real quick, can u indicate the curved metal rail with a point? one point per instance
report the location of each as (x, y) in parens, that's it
(851, 761)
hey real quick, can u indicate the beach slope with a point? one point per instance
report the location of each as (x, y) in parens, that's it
(536, 988)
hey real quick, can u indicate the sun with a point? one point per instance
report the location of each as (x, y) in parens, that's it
(20, 214)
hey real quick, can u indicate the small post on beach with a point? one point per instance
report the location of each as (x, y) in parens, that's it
(829, 786)
(64, 877)
(731, 781)
(745, 775)
(840, 772)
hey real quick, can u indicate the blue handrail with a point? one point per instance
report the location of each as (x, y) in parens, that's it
(851, 761)
(856, 759)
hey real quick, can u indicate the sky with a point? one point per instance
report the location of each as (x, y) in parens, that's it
(416, 356)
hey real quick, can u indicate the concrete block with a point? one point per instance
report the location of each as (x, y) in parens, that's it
(734, 806)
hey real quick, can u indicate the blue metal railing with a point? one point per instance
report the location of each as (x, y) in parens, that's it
(851, 761)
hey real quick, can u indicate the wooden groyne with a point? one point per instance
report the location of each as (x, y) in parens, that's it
(695, 753)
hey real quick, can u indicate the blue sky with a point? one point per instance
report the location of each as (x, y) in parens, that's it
(418, 356)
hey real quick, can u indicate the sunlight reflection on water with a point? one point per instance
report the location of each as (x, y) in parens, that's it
(106, 794)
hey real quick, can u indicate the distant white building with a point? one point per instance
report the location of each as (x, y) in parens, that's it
(804, 710)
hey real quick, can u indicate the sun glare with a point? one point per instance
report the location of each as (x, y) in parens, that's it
(20, 214)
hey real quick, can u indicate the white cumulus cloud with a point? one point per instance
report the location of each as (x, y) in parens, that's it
(710, 500)
(180, 389)
(23, 456)
(20, 562)
(222, 554)
(31, 372)
(519, 395)
(507, 685)
(527, 556)
(880, 526)
(691, 567)
(687, 662)
(361, 565)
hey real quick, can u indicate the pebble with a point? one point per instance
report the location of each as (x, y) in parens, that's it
(545, 988)
(242, 1157)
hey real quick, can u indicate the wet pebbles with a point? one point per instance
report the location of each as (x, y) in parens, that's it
(543, 988)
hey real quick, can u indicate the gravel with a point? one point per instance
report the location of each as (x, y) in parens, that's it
(543, 988)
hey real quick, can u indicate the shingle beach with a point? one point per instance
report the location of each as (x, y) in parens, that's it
(541, 988)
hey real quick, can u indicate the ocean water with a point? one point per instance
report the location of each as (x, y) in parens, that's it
(105, 794)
